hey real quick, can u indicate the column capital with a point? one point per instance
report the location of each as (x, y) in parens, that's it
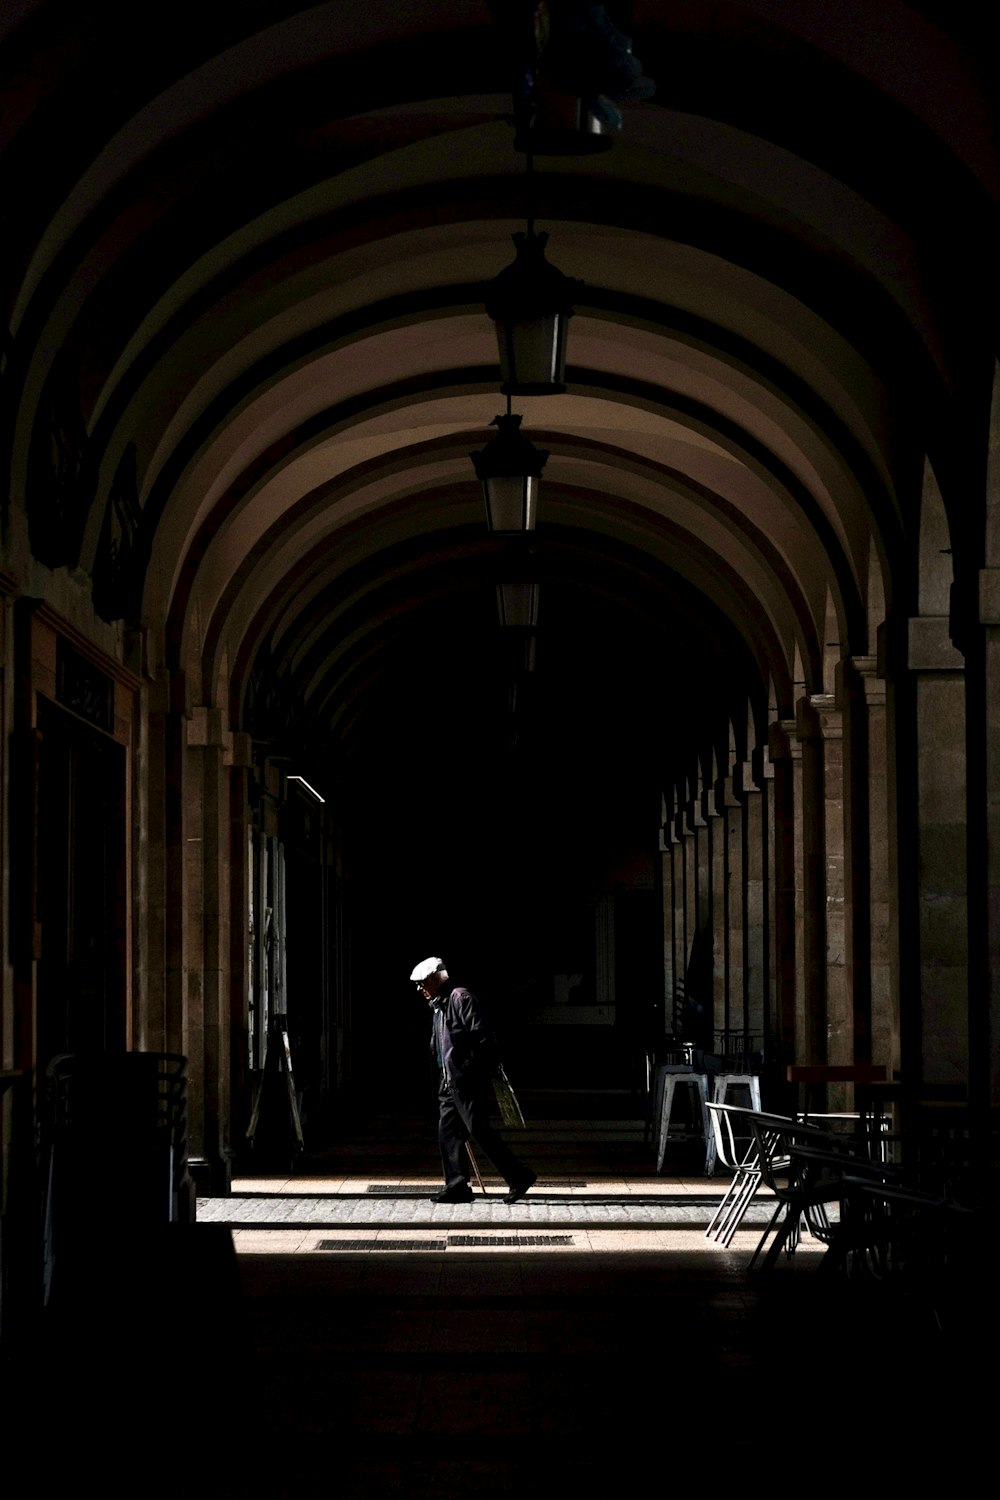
(930, 646)
(748, 777)
(709, 803)
(206, 727)
(725, 794)
(819, 717)
(763, 770)
(693, 814)
(866, 669)
(783, 741)
(239, 750)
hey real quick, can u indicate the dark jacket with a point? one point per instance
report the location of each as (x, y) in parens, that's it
(462, 1043)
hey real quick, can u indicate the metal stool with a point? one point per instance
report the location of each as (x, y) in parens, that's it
(693, 1086)
(727, 1082)
(746, 1089)
(676, 1060)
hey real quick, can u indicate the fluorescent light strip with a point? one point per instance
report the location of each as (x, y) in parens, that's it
(308, 788)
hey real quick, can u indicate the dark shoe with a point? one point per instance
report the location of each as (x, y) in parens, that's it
(453, 1195)
(520, 1187)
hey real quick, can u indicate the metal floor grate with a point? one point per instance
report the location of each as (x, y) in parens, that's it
(461, 1240)
(383, 1244)
(383, 1190)
(453, 1242)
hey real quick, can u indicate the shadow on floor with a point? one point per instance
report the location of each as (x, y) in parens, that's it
(180, 1369)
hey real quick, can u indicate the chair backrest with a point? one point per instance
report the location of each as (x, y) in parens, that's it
(776, 1136)
(725, 1146)
(735, 1144)
(772, 1137)
(769, 1134)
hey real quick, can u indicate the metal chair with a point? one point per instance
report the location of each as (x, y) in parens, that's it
(739, 1156)
(803, 1165)
(738, 1147)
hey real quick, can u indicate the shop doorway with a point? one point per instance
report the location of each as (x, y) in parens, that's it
(81, 887)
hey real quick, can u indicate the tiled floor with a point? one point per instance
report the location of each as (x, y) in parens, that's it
(300, 1368)
(527, 1369)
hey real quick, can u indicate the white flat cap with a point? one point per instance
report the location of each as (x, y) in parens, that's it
(426, 969)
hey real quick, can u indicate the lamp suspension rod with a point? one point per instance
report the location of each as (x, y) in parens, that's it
(529, 160)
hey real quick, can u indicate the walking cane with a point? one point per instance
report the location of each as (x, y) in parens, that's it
(475, 1167)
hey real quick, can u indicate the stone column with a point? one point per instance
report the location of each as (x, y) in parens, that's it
(754, 864)
(160, 1023)
(207, 846)
(670, 970)
(828, 1021)
(989, 610)
(942, 885)
(788, 1021)
(989, 616)
(724, 899)
(736, 907)
(239, 760)
(678, 859)
(697, 908)
(882, 986)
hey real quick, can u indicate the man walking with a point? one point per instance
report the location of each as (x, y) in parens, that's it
(465, 1052)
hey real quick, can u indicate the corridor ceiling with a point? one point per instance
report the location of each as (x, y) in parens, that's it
(245, 249)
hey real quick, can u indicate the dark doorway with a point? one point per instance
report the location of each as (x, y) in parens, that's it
(81, 887)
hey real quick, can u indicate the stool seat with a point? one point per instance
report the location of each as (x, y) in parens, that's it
(740, 1089)
(684, 1084)
(654, 1112)
(728, 1084)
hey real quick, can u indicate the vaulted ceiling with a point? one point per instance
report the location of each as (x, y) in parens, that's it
(248, 359)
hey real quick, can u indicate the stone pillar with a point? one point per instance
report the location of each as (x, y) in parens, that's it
(988, 1029)
(788, 1020)
(239, 760)
(671, 936)
(724, 897)
(160, 1023)
(989, 609)
(680, 930)
(698, 974)
(736, 906)
(207, 846)
(942, 894)
(872, 784)
(754, 860)
(715, 806)
(828, 1023)
(839, 987)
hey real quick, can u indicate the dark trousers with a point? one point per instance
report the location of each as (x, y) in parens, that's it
(464, 1117)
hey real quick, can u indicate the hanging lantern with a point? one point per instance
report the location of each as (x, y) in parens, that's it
(509, 468)
(517, 604)
(531, 303)
(566, 125)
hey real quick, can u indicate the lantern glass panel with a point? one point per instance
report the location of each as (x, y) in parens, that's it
(511, 502)
(532, 353)
(518, 604)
